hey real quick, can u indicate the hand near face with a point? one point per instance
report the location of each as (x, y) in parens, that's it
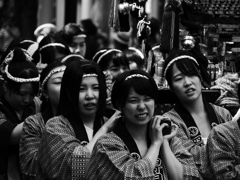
(111, 123)
(156, 130)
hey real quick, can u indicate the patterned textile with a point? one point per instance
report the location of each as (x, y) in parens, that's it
(223, 151)
(194, 147)
(29, 143)
(111, 159)
(61, 154)
(8, 121)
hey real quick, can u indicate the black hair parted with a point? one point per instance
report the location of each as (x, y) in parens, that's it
(144, 85)
(71, 82)
(185, 65)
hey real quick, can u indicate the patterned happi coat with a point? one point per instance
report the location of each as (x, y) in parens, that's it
(9, 154)
(30, 140)
(223, 151)
(61, 154)
(190, 135)
(116, 156)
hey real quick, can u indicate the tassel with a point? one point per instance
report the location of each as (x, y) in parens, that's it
(114, 15)
(170, 27)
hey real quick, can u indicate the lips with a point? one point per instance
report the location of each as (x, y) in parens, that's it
(142, 115)
(190, 91)
(90, 105)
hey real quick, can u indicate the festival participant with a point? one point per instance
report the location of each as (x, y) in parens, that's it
(69, 137)
(142, 146)
(194, 116)
(50, 83)
(21, 85)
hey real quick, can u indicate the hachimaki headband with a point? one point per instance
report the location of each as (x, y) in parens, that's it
(134, 76)
(9, 58)
(52, 45)
(176, 59)
(106, 53)
(71, 55)
(50, 74)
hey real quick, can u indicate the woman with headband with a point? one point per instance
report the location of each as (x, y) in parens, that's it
(75, 37)
(194, 116)
(69, 137)
(52, 49)
(135, 58)
(21, 85)
(50, 84)
(142, 146)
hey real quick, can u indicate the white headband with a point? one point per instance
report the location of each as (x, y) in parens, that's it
(9, 57)
(81, 36)
(101, 51)
(138, 51)
(106, 53)
(71, 55)
(52, 44)
(21, 80)
(50, 74)
(178, 58)
(135, 75)
(90, 75)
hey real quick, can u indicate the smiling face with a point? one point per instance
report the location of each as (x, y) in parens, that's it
(138, 109)
(88, 96)
(186, 87)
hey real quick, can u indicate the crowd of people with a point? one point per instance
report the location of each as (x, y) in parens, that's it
(71, 112)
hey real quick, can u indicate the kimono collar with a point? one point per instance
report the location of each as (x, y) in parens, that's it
(190, 123)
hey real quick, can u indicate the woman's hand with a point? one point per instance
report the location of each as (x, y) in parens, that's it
(111, 123)
(174, 129)
(156, 130)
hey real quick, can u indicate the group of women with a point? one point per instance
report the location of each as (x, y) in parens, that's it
(96, 119)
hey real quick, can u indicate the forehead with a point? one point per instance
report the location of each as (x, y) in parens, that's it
(78, 39)
(26, 87)
(57, 74)
(89, 81)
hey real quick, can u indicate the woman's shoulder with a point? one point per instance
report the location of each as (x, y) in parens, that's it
(221, 111)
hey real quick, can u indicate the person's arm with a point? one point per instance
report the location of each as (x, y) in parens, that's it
(16, 134)
(222, 153)
(107, 127)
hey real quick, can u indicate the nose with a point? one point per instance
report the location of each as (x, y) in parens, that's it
(187, 81)
(89, 94)
(27, 99)
(141, 105)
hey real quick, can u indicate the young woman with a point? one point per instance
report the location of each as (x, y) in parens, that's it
(194, 116)
(75, 37)
(137, 148)
(21, 84)
(69, 137)
(50, 83)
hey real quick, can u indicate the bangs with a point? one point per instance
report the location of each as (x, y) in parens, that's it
(188, 67)
(120, 60)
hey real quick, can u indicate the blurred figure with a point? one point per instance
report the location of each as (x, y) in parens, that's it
(75, 37)
(154, 37)
(52, 48)
(43, 30)
(121, 40)
(135, 58)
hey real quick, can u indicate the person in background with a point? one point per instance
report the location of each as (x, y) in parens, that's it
(50, 84)
(52, 48)
(121, 40)
(21, 85)
(75, 37)
(138, 147)
(135, 58)
(69, 137)
(194, 116)
(44, 30)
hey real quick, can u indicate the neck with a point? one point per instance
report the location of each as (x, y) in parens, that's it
(88, 120)
(195, 107)
(138, 133)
